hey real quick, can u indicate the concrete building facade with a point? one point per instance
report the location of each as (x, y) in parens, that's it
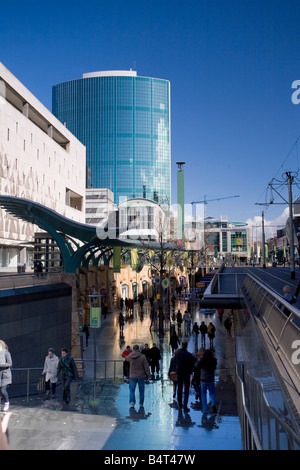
(40, 160)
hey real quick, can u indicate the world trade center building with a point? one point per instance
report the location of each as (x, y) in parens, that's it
(124, 122)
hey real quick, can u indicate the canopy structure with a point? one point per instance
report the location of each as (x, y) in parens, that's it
(77, 242)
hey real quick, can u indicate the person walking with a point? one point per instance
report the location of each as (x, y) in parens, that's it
(155, 358)
(104, 309)
(228, 324)
(5, 373)
(139, 368)
(147, 351)
(179, 319)
(141, 299)
(186, 320)
(50, 370)
(197, 373)
(173, 301)
(286, 294)
(174, 341)
(184, 368)
(126, 353)
(195, 332)
(203, 331)
(208, 364)
(220, 313)
(68, 370)
(121, 323)
(85, 330)
(211, 333)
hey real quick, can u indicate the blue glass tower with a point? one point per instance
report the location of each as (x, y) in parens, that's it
(124, 122)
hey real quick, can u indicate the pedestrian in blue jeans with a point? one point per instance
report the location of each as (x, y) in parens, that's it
(139, 371)
(208, 365)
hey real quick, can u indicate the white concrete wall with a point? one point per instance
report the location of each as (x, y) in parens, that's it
(32, 164)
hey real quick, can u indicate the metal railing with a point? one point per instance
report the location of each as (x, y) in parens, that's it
(111, 369)
(251, 440)
(279, 316)
(226, 284)
(27, 380)
(28, 280)
(263, 428)
(27, 377)
(105, 369)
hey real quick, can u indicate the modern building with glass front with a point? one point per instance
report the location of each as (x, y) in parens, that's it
(124, 122)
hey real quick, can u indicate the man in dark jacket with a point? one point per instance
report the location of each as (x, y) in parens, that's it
(184, 369)
(67, 368)
(139, 368)
(155, 357)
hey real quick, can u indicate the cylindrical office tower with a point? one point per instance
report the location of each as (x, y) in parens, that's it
(124, 122)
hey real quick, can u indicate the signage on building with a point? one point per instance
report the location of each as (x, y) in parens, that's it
(95, 317)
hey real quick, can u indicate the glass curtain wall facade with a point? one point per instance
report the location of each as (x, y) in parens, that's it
(124, 122)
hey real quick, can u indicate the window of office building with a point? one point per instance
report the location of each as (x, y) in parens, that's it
(238, 241)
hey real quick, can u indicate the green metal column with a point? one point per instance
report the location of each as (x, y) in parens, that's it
(180, 201)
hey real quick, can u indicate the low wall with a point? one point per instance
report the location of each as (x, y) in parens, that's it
(32, 319)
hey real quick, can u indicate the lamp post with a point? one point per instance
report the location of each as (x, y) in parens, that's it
(94, 296)
(290, 182)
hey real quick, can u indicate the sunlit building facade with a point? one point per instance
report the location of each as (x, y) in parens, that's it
(124, 122)
(40, 160)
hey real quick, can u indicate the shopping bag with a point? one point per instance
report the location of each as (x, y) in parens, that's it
(41, 384)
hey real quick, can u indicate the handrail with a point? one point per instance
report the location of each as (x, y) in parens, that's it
(215, 284)
(29, 279)
(252, 433)
(278, 297)
(27, 369)
(272, 307)
(218, 372)
(245, 418)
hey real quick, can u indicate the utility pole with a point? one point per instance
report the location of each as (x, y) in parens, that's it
(290, 179)
(292, 247)
(263, 239)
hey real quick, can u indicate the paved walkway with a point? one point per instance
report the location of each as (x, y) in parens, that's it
(100, 418)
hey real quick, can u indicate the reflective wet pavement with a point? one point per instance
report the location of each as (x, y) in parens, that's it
(101, 419)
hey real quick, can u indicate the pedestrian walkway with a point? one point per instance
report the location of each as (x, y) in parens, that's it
(99, 418)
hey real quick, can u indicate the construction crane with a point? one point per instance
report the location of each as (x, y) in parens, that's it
(205, 201)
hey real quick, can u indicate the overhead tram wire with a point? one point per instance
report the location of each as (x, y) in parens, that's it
(269, 188)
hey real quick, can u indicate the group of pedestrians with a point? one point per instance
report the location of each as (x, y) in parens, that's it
(55, 367)
(152, 355)
(186, 369)
(137, 365)
(204, 330)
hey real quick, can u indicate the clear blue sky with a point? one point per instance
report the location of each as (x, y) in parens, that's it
(231, 65)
